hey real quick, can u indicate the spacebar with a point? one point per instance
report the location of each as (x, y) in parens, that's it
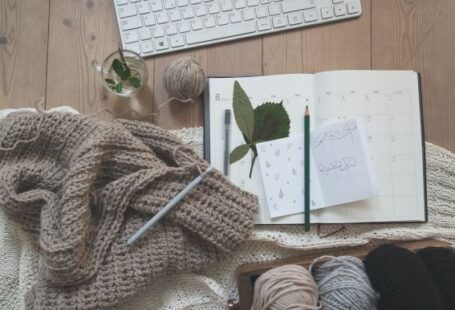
(221, 32)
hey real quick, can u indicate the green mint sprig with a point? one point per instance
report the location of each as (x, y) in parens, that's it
(124, 72)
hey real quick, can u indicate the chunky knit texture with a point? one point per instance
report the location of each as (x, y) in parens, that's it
(82, 187)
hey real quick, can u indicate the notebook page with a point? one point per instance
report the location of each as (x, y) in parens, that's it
(343, 165)
(387, 104)
(282, 167)
(296, 91)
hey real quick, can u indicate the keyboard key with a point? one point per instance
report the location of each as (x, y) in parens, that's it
(161, 44)
(213, 7)
(143, 8)
(158, 31)
(261, 12)
(337, 1)
(122, 2)
(149, 19)
(170, 29)
(226, 5)
(353, 7)
(264, 24)
(209, 21)
(222, 19)
(295, 18)
(129, 23)
(274, 9)
(326, 12)
(176, 41)
(134, 1)
(127, 10)
(266, 1)
(184, 26)
(161, 17)
(253, 2)
(169, 4)
(200, 10)
(221, 32)
(297, 5)
(340, 9)
(235, 17)
(182, 2)
(310, 15)
(145, 33)
(147, 46)
(248, 14)
(187, 12)
(130, 36)
(175, 15)
(279, 21)
(133, 47)
(195, 1)
(156, 5)
(196, 24)
(239, 4)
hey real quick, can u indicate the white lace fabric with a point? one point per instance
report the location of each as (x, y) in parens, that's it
(211, 287)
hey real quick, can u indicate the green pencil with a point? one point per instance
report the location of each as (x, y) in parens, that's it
(307, 167)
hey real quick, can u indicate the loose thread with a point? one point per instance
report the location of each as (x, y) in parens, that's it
(38, 104)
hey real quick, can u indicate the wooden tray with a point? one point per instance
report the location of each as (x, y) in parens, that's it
(247, 274)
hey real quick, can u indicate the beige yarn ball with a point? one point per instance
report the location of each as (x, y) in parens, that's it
(184, 79)
(285, 288)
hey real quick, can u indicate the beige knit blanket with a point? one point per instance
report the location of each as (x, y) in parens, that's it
(210, 287)
(80, 187)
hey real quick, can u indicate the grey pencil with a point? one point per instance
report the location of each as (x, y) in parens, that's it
(227, 125)
(168, 207)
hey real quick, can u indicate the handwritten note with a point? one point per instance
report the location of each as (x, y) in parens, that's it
(341, 169)
(343, 164)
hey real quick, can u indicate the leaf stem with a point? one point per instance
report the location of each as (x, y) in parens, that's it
(123, 59)
(252, 163)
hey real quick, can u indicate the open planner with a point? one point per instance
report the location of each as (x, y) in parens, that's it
(379, 113)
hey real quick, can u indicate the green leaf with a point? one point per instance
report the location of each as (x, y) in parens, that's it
(135, 82)
(118, 67)
(109, 81)
(122, 71)
(238, 153)
(271, 121)
(119, 88)
(243, 112)
(126, 75)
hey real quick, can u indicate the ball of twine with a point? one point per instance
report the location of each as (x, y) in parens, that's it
(343, 283)
(184, 79)
(402, 280)
(286, 287)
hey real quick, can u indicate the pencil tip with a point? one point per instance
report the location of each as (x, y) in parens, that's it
(307, 112)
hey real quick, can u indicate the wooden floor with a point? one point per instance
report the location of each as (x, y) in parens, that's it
(47, 46)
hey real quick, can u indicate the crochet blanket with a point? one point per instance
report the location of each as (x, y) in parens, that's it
(210, 287)
(81, 187)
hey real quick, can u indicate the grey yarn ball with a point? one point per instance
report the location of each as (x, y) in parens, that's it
(343, 284)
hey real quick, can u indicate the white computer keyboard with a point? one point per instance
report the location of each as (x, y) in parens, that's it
(152, 27)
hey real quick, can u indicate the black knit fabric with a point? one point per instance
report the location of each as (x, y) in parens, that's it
(402, 280)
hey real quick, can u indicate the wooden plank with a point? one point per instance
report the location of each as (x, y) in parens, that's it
(418, 35)
(81, 31)
(340, 45)
(23, 51)
(231, 59)
(246, 274)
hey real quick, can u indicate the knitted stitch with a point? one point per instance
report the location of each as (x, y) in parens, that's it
(82, 187)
